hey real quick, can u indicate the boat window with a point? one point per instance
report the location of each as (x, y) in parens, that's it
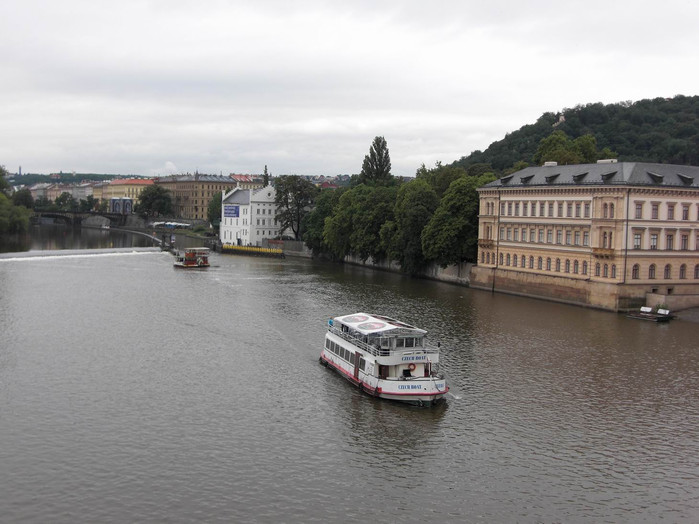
(362, 364)
(409, 342)
(385, 342)
(400, 342)
(419, 342)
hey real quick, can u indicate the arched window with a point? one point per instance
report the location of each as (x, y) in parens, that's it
(514, 260)
(524, 261)
(668, 271)
(604, 239)
(567, 266)
(508, 259)
(597, 269)
(502, 259)
(487, 258)
(613, 270)
(651, 271)
(611, 210)
(558, 264)
(606, 271)
(531, 262)
(540, 265)
(548, 264)
(604, 210)
(584, 271)
(482, 257)
(636, 272)
(576, 267)
(683, 271)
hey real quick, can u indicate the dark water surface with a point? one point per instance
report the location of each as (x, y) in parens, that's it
(134, 392)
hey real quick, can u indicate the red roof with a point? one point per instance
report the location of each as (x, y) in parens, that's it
(132, 182)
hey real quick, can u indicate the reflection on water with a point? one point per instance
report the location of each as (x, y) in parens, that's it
(130, 391)
(59, 236)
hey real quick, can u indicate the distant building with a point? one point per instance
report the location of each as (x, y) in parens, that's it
(191, 194)
(125, 188)
(248, 181)
(607, 235)
(248, 216)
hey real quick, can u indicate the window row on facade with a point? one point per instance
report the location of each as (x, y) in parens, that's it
(600, 269)
(565, 209)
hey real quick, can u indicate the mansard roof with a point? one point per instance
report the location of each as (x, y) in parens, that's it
(602, 174)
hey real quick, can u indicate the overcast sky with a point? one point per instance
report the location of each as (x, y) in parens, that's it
(159, 87)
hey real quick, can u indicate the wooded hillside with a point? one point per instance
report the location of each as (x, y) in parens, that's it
(664, 130)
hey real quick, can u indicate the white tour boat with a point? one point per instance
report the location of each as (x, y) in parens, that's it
(384, 357)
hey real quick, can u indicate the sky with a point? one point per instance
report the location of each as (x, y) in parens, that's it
(226, 86)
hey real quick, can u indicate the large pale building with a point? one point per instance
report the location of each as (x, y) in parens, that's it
(608, 235)
(125, 188)
(191, 194)
(248, 216)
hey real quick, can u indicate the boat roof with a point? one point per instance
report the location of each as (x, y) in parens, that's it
(369, 323)
(197, 249)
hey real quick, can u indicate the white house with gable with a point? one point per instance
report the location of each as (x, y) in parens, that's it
(248, 216)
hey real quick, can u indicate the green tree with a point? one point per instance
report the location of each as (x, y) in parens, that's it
(154, 201)
(66, 202)
(452, 233)
(415, 204)
(23, 197)
(88, 204)
(213, 212)
(265, 177)
(376, 168)
(314, 222)
(4, 184)
(373, 207)
(440, 176)
(13, 219)
(294, 197)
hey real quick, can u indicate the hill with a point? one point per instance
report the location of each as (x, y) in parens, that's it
(663, 130)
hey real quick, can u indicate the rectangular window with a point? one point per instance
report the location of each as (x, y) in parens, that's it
(587, 210)
(550, 209)
(560, 209)
(549, 236)
(502, 208)
(525, 208)
(577, 210)
(685, 212)
(654, 211)
(516, 239)
(684, 242)
(509, 233)
(568, 237)
(524, 235)
(671, 211)
(559, 236)
(637, 240)
(542, 209)
(541, 236)
(654, 241)
(577, 239)
(502, 233)
(516, 209)
(586, 238)
(669, 242)
(509, 208)
(639, 210)
(569, 210)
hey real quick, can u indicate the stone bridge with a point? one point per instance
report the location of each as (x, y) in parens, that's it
(75, 219)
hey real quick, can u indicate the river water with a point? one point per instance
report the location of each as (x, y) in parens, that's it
(134, 392)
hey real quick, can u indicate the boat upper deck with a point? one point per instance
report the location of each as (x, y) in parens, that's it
(380, 335)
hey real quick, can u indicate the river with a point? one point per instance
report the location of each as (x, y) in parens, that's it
(134, 392)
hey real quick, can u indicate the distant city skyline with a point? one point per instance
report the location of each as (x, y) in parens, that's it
(156, 88)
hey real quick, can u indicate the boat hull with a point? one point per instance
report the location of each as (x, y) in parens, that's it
(416, 392)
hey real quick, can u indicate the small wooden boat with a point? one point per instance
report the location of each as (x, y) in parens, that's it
(193, 258)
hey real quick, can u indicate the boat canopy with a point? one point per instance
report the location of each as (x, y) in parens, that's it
(367, 323)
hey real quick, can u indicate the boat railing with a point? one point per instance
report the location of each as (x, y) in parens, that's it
(378, 351)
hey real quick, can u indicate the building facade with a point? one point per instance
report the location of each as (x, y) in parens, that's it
(248, 216)
(604, 235)
(191, 194)
(124, 188)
